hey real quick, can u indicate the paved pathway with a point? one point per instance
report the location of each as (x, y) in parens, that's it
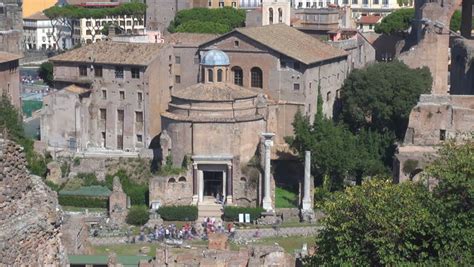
(240, 234)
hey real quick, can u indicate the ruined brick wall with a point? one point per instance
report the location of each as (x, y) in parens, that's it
(462, 70)
(30, 217)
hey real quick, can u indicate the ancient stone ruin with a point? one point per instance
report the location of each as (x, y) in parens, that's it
(30, 217)
(118, 203)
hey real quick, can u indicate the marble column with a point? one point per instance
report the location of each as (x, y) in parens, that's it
(307, 182)
(229, 184)
(224, 185)
(200, 186)
(195, 183)
(267, 199)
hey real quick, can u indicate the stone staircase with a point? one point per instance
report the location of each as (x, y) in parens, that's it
(208, 208)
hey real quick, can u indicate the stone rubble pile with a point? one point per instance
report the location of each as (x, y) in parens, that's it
(30, 217)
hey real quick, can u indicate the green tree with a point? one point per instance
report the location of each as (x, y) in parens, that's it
(195, 26)
(454, 171)
(45, 72)
(380, 223)
(377, 224)
(226, 18)
(399, 21)
(10, 121)
(381, 96)
(332, 146)
(138, 215)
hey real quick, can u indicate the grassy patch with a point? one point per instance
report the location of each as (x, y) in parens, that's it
(288, 243)
(285, 198)
(80, 209)
(124, 249)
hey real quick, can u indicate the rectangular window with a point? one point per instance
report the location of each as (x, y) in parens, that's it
(365, 2)
(135, 73)
(139, 116)
(209, 3)
(120, 115)
(140, 97)
(442, 135)
(221, 4)
(104, 94)
(88, 23)
(122, 95)
(282, 64)
(345, 2)
(308, 4)
(296, 65)
(103, 139)
(234, 4)
(354, 2)
(139, 138)
(82, 70)
(98, 71)
(177, 79)
(103, 114)
(296, 86)
(119, 72)
(385, 2)
(375, 2)
(177, 60)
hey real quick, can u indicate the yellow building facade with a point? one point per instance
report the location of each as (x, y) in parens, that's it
(31, 7)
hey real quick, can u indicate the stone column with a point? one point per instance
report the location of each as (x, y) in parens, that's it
(195, 183)
(200, 177)
(307, 182)
(267, 199)
(224, 185)
(229, 184)
(466, 18)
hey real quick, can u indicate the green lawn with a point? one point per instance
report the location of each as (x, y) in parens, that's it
(288, 243)
(70, 208)
(124, 249)
(285, 198)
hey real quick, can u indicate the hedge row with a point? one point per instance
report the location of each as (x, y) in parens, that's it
(84, 202)
(232, 213)
(178, 213)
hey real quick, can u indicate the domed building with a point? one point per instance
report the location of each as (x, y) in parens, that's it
(218, 126)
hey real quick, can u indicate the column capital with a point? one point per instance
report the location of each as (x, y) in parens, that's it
(195, 165)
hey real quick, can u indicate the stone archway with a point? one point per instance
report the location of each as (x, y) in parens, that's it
(431, 32)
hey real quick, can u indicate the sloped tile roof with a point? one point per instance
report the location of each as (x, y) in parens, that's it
(369, 19)
(189, 39)
(292, 43)
(37, 16)
(5, 57)
(210, 92)
(108, 52)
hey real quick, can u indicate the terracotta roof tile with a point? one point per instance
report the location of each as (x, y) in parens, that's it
(189, 39)
(292, 43)
(5, 57)
(37, 16)
(210, 92)
(370, 19)
(108, 52)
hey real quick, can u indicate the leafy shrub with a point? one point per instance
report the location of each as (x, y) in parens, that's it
(138, 215)
(89, 179)
(178, 213)
(232, 213)
(84, 202)
(53, 186)
(138, 193)
(216, 20)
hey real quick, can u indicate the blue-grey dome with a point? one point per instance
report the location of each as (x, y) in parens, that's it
(215, 58)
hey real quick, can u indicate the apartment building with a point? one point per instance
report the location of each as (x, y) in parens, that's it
(40, 33)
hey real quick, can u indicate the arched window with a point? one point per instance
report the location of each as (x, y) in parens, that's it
(328, 96)
(182, 179)
(172, 180)
(219, 75)
(238, 76)
(280, 15)
(210, 75)
(256, 77)
(270, 15)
